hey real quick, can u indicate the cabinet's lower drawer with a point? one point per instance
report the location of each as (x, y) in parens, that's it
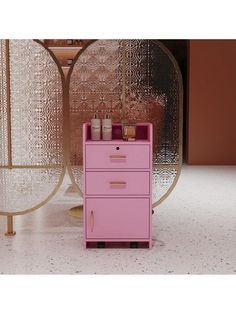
(117, 218)
(117, 183)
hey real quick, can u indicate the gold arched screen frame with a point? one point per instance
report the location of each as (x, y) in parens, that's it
(42, 112)
(138, 80)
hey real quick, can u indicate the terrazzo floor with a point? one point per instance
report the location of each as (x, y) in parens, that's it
(197, 224)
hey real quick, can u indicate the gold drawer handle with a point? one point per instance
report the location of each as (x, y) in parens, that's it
(91, 220)
(117, 157)
(118, 183)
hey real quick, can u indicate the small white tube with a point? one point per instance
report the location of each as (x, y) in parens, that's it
(107, 128)
(95, 128)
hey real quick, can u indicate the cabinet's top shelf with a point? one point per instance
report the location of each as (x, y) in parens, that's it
(143, 134)
(116, 142)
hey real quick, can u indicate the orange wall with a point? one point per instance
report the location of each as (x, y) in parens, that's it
(212, 102)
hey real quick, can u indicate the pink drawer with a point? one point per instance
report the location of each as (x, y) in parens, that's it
(117, 183)
(117, 156)
(117, 218)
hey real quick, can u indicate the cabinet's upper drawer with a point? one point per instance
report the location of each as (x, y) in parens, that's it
(117, 156)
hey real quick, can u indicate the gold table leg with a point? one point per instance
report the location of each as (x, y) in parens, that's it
(10, 231)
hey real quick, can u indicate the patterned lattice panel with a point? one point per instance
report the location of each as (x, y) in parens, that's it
(78, 175)
(136, 80)
(36, 105)
(162, 179)
(3, 106)
(153, 94)
(95, 85)
(35, 116)
(22, 189)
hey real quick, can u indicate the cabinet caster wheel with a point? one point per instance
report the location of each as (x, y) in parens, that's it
(133, 245)
(101, 245)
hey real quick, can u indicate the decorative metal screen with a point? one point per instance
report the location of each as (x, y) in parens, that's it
(3, 107)
(33, 121)
(133, 79)
(138, 80)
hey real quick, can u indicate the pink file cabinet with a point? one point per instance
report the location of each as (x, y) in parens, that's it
(118, 188)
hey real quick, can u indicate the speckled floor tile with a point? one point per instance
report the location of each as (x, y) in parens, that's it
(196, 223)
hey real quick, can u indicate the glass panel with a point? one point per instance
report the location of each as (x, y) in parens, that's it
(36, 106)
(3, 105)
(22, 189)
